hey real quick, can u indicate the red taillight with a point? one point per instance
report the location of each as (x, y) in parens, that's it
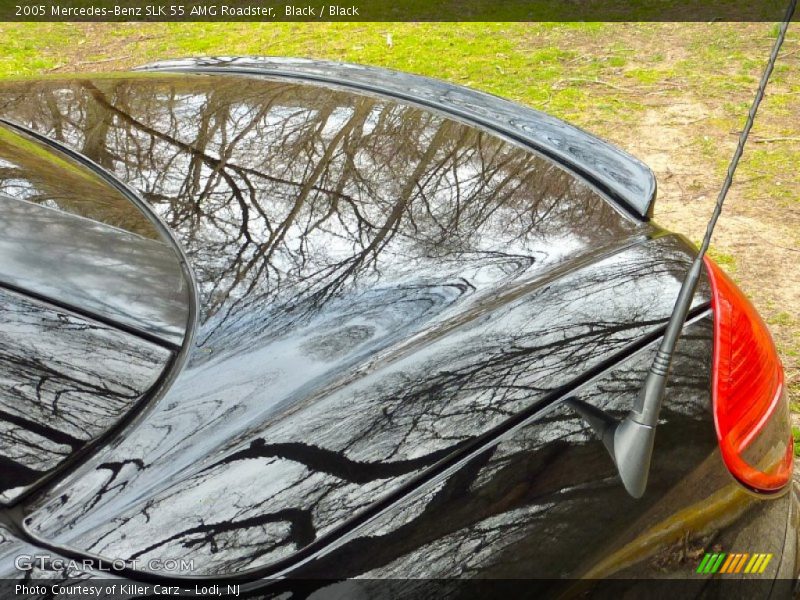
(750, 409)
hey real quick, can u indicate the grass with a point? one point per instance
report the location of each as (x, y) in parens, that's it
(723, 259)
(796, 436)
(674, 94)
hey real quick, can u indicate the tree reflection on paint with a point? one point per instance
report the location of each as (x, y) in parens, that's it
(377, 288)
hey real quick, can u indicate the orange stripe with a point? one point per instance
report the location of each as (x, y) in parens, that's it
(727, 562)
(741, 563)
(740, 558)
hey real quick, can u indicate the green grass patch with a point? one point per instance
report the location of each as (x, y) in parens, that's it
(781, 318)
(723, 259)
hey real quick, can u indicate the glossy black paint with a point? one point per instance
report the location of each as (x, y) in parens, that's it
(98, 299)
(130, 281)
(54, 395)
(623, 177)
(396, 416)
(73, 239)
(393, 306)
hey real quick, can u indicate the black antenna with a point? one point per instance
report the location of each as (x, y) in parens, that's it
(630, 441)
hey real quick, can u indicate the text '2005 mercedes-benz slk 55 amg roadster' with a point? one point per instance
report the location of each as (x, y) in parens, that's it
(274, 320)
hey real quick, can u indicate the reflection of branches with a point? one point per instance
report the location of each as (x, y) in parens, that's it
(513, 500)
(13, 474)
(285, 197)
(301, 528)
(442, 405)
(51, 433)
(483, 372)
(308, 215)
(301, 531)
(54, 398)
(334, 463)
(37, 174)
(115, 468)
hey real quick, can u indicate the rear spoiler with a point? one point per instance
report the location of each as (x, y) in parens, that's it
(627, 181)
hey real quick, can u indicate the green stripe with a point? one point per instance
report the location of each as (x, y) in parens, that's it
(711, 562)
(711, 567)
(718, 563)
(701, 567)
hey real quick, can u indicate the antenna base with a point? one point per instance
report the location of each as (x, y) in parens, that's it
(629, 443)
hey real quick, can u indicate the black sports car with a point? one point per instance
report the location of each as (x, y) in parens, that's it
(273, 320)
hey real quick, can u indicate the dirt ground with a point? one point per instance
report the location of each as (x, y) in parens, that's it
(687, 133)
(758, 237)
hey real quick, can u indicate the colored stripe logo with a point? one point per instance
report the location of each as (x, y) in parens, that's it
(720, 562)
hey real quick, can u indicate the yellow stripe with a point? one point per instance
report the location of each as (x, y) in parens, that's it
(758, 563)
(767, 558)
(727, 562)
(752, 562)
